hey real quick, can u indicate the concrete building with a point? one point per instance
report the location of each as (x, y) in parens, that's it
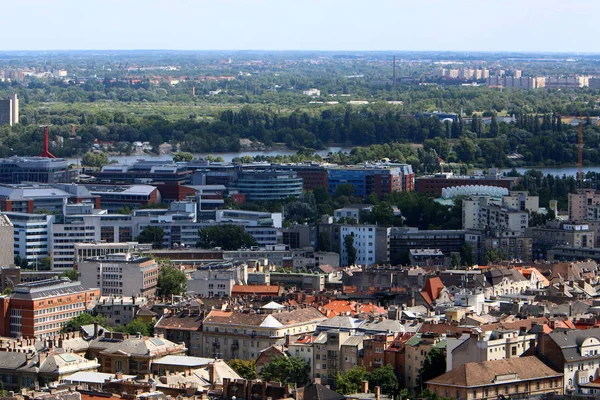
(217, 279)
(370, 242)
(416, 349)
(113, 197)
(7, 250)
(521, 201)
(120, 274)
(15, 170)
(9, 110)
(433, 184)
(119, 310)
(41, 309)
(581, 204)
(145, 172)
(403, 239)
(183, 327)
(485, 213)
(560, 234)
(100, 249)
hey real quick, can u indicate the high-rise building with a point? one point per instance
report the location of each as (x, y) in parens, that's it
(9, 110)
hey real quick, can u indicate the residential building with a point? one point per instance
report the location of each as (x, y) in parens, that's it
(40, 309)
(182, 327)
(575, 353)
(560, 234)
(217, 279)
(302, 347)
(374, 349)
(31, 236)
(327, 355)
(370, 242)
(119, 310)
(267, 185)
(581, 204)
(130, 354)
(235, 334)
(416, 349)
(521, 201)
(524, 377)
(351, 213)
(485, 213)
(487, 346)
(7, 250)
(120, 274)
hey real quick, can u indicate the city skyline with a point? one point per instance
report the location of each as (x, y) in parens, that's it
(433, 25)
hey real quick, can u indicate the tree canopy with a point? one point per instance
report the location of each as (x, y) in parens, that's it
(153, 235)
(95, 159)
(244, 368)
(227, 237)
(171, 281)
(287, 370)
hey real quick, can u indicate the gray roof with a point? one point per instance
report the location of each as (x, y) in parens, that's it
(341, 322)
(383, 326)
(93, 377)
(354, 340)
(183, 361)
(569, 341)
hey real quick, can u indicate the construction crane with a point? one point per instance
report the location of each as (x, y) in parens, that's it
(580, 156)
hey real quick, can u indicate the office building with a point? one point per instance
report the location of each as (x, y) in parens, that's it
(267, 185)
(31, 236)
(7, 239)
(120, 274)
(380, 179)
(41, 309)
(145, 172)
(112, 197)
(402, 240)
(9, 110)
(15, 170)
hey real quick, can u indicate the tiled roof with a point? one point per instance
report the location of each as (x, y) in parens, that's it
(486, 372)
(252, 289)
(181, 321)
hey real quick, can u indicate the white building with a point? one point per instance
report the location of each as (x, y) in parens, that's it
(120, 274)
(312, 92)
(485, 213)
(372, 244)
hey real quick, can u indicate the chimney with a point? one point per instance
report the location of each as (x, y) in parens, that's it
(211, 373)
(95, 329)
(365, 386)
(377, 393)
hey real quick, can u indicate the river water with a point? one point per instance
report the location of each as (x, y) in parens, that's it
(225, 156)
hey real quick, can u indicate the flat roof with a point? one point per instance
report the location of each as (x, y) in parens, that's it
(93, 377)
(184, 361)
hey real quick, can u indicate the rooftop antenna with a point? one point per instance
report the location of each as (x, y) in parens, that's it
(46, 152)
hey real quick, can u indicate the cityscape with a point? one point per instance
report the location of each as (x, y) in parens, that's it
(251, 200)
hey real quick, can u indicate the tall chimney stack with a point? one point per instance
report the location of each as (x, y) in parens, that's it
(46, 152)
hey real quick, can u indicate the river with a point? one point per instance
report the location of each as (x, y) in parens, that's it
(225, 156)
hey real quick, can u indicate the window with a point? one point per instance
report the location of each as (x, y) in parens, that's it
(513, 351)
(474, 394)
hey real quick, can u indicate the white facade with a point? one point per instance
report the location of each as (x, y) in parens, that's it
(364, 242)
(485, 213)
(31, 235)
(120, 274)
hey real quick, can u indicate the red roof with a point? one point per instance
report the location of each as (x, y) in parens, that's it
(255, 289)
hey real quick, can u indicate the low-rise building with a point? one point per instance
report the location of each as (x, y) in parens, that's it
(182, 327)
(119, 310)
(516, 377)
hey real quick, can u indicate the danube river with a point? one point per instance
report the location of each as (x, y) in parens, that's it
(225, 156)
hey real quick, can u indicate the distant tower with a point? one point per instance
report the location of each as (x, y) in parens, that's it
(193, 90)
(46, 152)
(15, 108)
(394, 71)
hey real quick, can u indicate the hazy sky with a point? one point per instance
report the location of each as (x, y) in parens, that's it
(489, 25)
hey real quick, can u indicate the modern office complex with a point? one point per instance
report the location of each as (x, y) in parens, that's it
(379, 179)
(266, 185)
(16, 170)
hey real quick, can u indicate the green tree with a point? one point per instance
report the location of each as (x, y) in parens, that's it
(350, 249)
(7, 291)
(227, 237)
(344, 189)
(434, 365)
(385, 378)
(323, 244)
(455, 260)
(76, 323)
(287, 370)
(493, 255)
(125, 210)
(244, 368)
(93, 159)
(183, 156)
(466, 254)
(351, 381)
(152, 234)
(137, 326)
(71, 274)
(171, 281)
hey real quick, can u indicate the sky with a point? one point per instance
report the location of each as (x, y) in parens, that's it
(411, 25)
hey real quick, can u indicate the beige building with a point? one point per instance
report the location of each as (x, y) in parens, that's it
(513, 378)
(486, 346)
(580, 202)
(521, 201)
(415, 351)
(235, 334)
(7, 256)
